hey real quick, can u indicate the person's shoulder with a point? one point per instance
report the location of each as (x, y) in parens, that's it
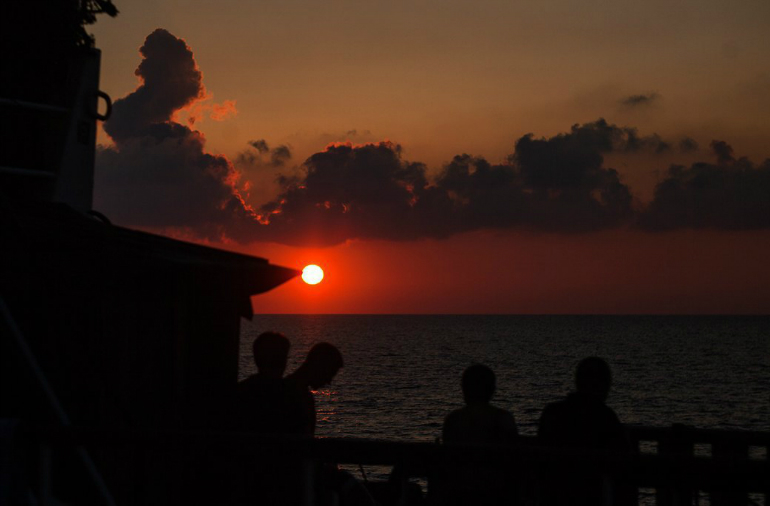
(249, 380)
(596, 410)
(295, 390)
(459, 411)
(606, 409)
(609, 415)
(259, 382)
(291, 382)
(498, 411)
(554, 415)
(506, 415)
(455, 415)
(452, 425)
(553, 408)
(505, 421)
(248, 384)
(593, 405)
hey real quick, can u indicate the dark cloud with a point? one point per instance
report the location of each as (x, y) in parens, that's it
(354, 135)
(640, 100)
(688, 145)
(575, 159)
(260, 145)
(723, 152)
(347, 192)
(170, 80)
(280, 155)
(167, 181)
(651, 143)
(559, 184)
(262, 156)
(158, 174)
(259, 167)
(369, 191)
(481, 194)
(729, 195)
(564, 177)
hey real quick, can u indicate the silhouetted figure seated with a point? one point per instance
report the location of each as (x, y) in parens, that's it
(478, 423)
(259, 399)
(583, 421)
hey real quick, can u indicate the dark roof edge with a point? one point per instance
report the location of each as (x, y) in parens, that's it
(66, 232)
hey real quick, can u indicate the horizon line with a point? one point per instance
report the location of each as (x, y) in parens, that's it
(754, 315)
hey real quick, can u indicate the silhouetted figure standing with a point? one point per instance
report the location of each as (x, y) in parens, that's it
(478, 423)
(323, 362)
(259, 404)
(318, 370)
(583, 421)
(244, 476)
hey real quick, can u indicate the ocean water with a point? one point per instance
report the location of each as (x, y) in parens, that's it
(402, 373)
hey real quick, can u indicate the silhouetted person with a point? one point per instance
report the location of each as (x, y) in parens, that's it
(259, 406)
(318, 370)
(259, 399)
(478, 423)
(583, 421)
(271, 350)
(323, 362)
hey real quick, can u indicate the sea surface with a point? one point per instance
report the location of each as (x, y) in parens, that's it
(402, 373)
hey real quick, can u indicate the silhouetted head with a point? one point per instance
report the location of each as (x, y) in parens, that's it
(593, 376)
(478, 384)
(321, 365)
(270, 352)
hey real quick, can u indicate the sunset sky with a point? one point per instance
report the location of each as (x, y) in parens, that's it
(452, 157)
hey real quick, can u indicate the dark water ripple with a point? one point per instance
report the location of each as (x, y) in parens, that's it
(402, 373)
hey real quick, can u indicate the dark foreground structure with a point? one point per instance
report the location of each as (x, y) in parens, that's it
(119, 348)
(100, 326)
(676, 466)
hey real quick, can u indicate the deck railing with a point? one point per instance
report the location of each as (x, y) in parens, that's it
(730, 467)
(675, 466)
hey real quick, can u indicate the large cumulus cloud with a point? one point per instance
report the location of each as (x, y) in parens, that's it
(347, 191)
(170, 80)
(159, 175)
(729, 195)
(370, 191)
(558, 184)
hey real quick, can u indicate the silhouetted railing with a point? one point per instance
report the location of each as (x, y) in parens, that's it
(688, 463)
(675, 466)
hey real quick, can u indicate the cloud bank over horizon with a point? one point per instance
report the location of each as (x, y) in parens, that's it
(159, 175)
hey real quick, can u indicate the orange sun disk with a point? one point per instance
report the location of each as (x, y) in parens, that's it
(312, 274)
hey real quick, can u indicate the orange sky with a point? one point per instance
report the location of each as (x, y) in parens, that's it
(486, 272)
(453, 77)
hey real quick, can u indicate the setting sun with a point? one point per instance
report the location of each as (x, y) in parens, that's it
(312, 274)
